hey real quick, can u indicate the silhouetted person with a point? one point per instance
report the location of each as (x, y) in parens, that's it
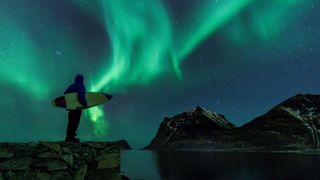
(75, 115)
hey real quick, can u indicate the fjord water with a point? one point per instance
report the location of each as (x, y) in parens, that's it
(204, 165)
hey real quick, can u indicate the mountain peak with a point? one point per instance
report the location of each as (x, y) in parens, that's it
(302, 107)
(200, 110)
(301, 101)
(199, 115)
(196, 124)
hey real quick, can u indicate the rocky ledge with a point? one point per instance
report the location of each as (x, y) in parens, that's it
(61, 160)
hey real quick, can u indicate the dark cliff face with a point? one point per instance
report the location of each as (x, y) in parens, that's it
(292, 125)
(197, 126)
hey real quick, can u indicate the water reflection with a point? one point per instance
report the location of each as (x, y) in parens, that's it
(213, 165)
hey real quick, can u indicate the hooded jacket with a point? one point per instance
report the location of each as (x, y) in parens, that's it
(79, 88)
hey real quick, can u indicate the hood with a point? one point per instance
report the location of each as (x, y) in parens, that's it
(78, 79)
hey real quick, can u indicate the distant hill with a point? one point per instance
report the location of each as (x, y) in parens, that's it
(293, 125)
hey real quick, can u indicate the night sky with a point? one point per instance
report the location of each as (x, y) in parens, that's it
(157, 57)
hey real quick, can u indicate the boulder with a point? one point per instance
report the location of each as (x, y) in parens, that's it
(27, 175)
(68, 158)
(66, 150)
(6, 152)
(16, 164)
(61, 175)
(81, 172)
(108, 161)
(52, 146)
(23, 150)
(48, 155)
(50, 165)
(96, 145)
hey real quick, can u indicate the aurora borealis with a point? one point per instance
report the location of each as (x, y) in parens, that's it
(158, 58)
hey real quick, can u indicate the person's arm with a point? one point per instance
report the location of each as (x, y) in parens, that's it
(82, 96)
(67, 90)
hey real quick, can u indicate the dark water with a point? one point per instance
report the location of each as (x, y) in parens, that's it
(214, 165)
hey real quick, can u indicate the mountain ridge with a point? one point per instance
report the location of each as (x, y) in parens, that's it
(294, 124)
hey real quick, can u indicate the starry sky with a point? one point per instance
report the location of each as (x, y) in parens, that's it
(158, 58)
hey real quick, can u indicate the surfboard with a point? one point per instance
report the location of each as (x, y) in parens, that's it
(70, 101)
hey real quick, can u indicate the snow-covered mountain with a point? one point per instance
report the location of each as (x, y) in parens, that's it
(295, 123)
(193, 128)
(292, 125)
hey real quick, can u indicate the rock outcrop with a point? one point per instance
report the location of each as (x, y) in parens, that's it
(293, 125)
(61, 160)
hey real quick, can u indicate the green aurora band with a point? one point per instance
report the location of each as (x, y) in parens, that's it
(143, 43)
(10, 55)
(22, 59)
(140, 35)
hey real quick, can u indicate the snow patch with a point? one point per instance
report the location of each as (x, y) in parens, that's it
(172, 127)
(295, 113)
(307, 99)
(274, 132)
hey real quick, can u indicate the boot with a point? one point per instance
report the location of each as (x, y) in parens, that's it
(72, 139)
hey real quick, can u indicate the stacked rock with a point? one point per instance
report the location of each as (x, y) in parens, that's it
(61, 160)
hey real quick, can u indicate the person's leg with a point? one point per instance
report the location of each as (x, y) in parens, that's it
(73, 123)
(77, 117)
(69, 133)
